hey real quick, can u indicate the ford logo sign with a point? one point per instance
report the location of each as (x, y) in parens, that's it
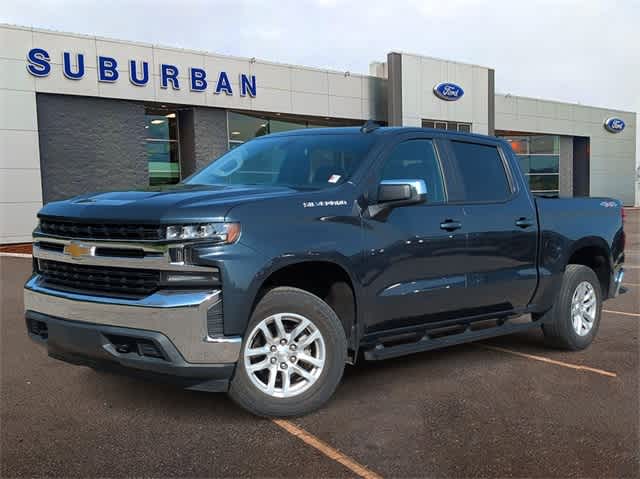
(614, 125)
(448, 91)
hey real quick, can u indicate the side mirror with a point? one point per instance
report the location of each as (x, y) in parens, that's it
(393, 193)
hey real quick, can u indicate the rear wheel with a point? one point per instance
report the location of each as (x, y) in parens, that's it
(293, 355)
(572, 323)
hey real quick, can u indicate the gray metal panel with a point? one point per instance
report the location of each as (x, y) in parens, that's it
(492, 102)
(187, 142)
(90, 144)
(581, 167)
(394, 86)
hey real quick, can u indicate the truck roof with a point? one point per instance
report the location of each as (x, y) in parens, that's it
(383, 130)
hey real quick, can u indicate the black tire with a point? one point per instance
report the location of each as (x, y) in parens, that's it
(297, 301)
(557, 323)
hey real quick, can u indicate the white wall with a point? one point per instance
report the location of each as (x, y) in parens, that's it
(612, 155)
(637, 203)
(419, 76)
(280, 88)
(20, 183)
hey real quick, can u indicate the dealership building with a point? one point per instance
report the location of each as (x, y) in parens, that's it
(82, 114)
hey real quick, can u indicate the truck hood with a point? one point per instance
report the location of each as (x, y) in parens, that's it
(175, 204)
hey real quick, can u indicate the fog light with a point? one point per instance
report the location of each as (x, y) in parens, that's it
(190, 277)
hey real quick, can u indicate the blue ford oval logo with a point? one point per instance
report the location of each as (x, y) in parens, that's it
(614, 125)
(448, 91)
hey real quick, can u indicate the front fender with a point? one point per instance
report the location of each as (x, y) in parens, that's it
(244, 272)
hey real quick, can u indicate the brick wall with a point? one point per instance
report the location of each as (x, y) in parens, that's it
(90, 144)
(210, 134)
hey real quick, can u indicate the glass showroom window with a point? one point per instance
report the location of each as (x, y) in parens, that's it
(243, 127)
(539, 157)
(447, 125)
(163, 151)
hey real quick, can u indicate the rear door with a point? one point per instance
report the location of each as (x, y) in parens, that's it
(500, 220)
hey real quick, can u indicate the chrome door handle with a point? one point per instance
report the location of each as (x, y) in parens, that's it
(524, 222)
(450, 225)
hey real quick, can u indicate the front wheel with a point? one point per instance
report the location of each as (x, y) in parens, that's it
(572, 323)
(293, 355)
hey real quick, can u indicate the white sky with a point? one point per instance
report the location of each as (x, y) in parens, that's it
(585, 51)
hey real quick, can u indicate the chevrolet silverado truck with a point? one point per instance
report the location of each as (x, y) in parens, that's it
(294, 254)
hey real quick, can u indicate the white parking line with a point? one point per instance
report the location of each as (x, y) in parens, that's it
(620, 312)
(578, 367)
(327, 450)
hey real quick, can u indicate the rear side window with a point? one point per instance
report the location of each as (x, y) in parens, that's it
(481, 172)
(416, 160)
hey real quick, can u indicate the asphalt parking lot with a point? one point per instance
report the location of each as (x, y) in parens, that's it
(508, 407)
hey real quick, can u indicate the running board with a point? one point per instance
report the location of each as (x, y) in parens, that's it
(428, 343)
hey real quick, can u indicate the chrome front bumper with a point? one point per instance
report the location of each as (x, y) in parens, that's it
(180, 316)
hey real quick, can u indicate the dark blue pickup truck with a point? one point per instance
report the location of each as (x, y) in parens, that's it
(293, 254)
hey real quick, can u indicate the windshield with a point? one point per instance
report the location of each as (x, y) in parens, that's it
(299, 161)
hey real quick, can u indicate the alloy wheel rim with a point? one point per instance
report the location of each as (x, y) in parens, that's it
(583, 308)
(284, 355)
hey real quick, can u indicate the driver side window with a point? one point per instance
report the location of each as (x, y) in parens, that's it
(416, 160)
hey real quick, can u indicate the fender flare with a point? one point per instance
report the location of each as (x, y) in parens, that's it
(589, 242)
(284, 261)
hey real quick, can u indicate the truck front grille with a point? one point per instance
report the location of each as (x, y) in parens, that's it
(74, 230)
(122, 282)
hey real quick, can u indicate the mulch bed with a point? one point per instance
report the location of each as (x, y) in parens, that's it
(16, 248)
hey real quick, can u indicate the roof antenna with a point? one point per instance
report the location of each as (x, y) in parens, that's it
(369, 126)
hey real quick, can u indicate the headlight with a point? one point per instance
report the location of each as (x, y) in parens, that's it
(216, 232)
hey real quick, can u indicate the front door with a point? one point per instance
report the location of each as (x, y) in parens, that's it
(415, 256)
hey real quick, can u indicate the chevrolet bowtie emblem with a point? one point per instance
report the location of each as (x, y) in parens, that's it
(77, 250)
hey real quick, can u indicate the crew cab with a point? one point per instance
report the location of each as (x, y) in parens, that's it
(294, 254)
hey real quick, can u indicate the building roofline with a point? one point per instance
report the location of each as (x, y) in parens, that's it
(186, 50)
(287, 65)
(510, 95)
(448, 60)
